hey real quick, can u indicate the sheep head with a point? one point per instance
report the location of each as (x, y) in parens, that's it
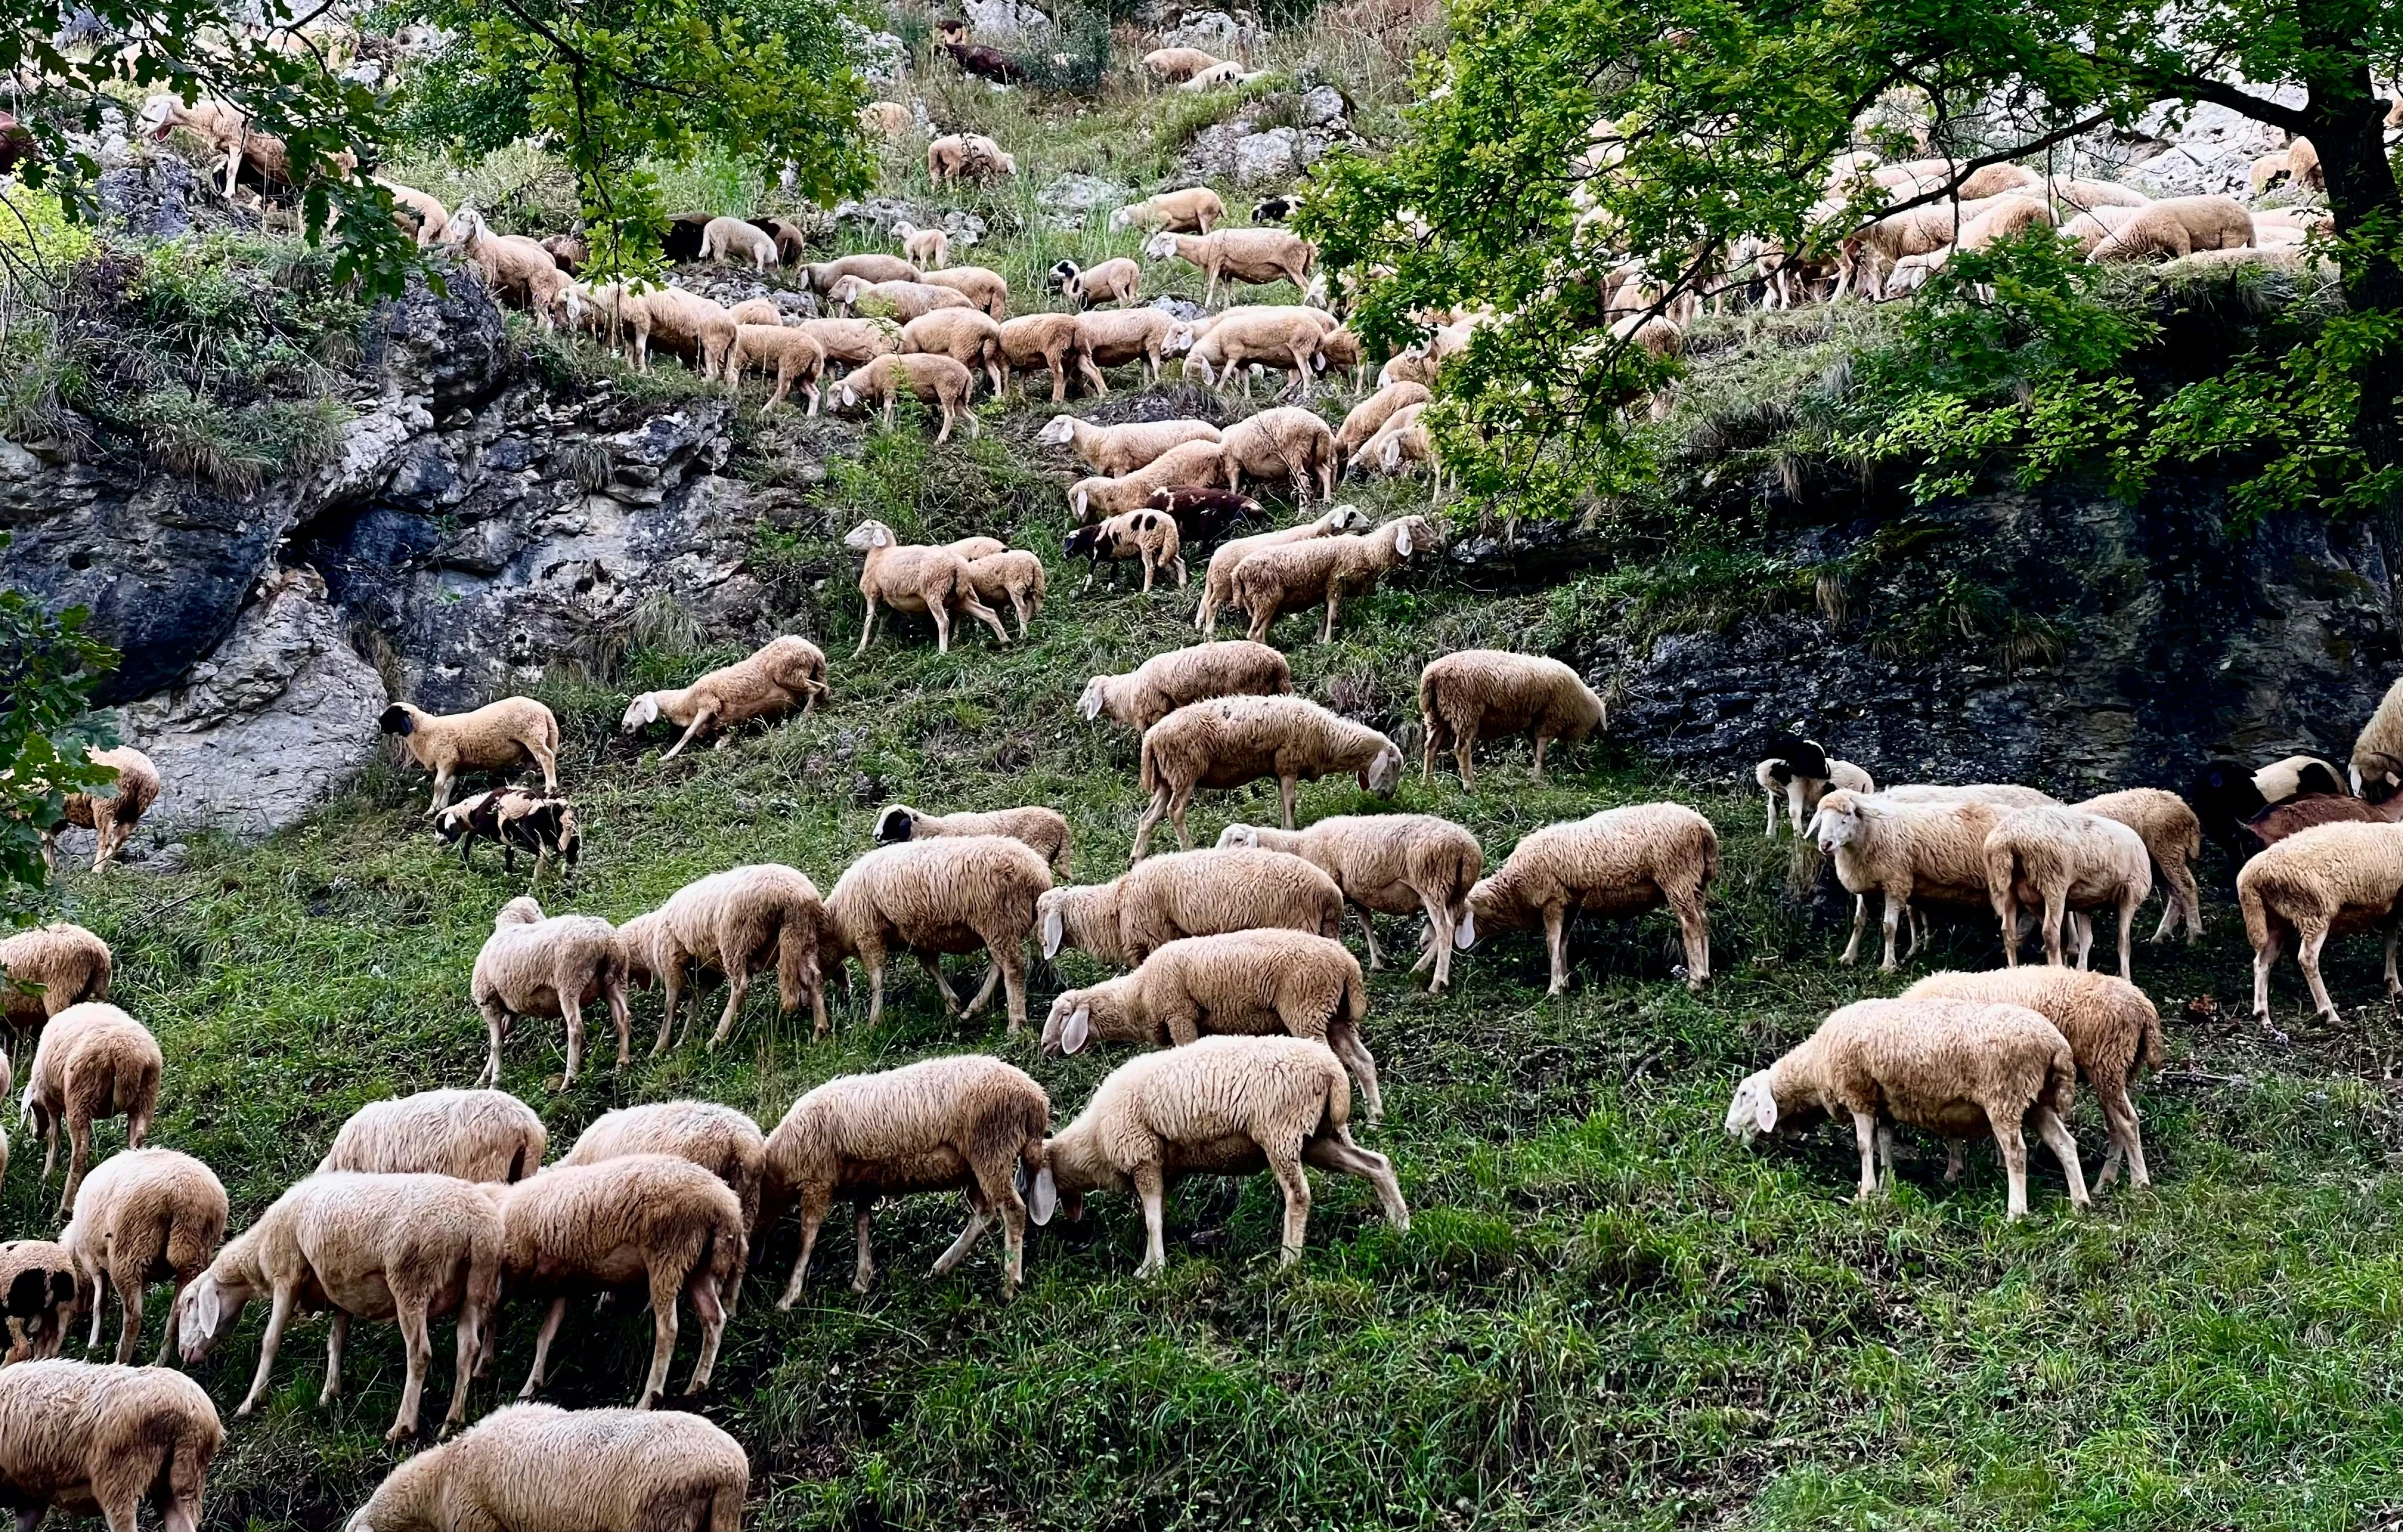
(521, 911)
(1058, 431)
(1839, 820)
(1754, 1109)
(1040, 1192)
(1159, 247)
(867, 535)
(1070, 1025)
(1346, 518)
(160, 115)
(1384, 773)
(399, 718)
(1057, 278)
(1097, 693)
(205, 1312)
(896, 824)
(642, 710)
(1239, 835)
(846, 291)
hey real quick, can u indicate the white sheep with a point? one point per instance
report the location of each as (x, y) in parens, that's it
(475, 1135)
(935, 380)
(1193, 462)
(2173, 835)
(738, 922)
(796, 355)
(1618, 863)
(1192, 210)
(495, 737)
(93, 1062)
(48, 968)
(915, 578)
(870, 267)
(722, 1140)
(1296, 576)
(1369, 416)
(1166, 682)
(982, 286)
(1122, 336)
(2061, 859)
(1218, 581)
(1174, 66)
(2378, 748)
(1228, 741)
(529, 1465)
(1189, 893)
(111, 817)
(1912, 852)
(1046, 830)
(966, 336)
(729, 239)
(1013, 577)
(1390, 864)
(765, 684)
(1248, 339)
(38, 1297)
(954, 894)
(967, 156)
(2328, 879)
(925, 249)
(1043, 341)
(145, 1213)
(87, 1437)
(1237, 255)
(1116, 451)
(513, 265)
(533, 965)
(1471, 693)
(1284, 443)
(2177, 226)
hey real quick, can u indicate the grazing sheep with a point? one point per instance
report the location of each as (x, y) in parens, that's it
(981, 286)
(1191, 462)
(720, 1139)
(2112, 1030)
(1122, 336)
(1174, 66)
(1950, 1066)
(1117, 451)
(1293, 577)
(1797, 774)
(49, 968)
(148, 1215)
(1220, 1106)
(403, 1248)
(687, 324)
(2009, 216)
(927, 249)
(1204, 514)
(1369, 416)
(915, 578)
(1117, 280)
(792, 239)
(1391, 864)
(1014, 577)
(1046, 830)
(2332, 879)
(1474, 692)
(523, 1467)
(495, 737)
(900, 302)
(796, 355)
(1192, 210)
(1244, 983)
(1148, 536)
(951, 894)
(516, 819)
(1998, 180)
(514, 267)
(38, 1296)
(2177, 226)
(1044, 341)
(2064, 859)
(2226, 794)
(969, 1123)
(1289, 444)
(967, 157)
(532, 965)
(936, 380)
(1289, 338)
(474, 1135)
(2172, 835)
(870, 267)
(738, 921)
(1257, 256)
(2084, 196)
(91, 1438)
(731, 239)
(92, 1062)
(1227, 73)
(1166, 682)
(425, 218)
(1189, 893)
(569, 252)
(966, 336)
(111, 817)
(1218, 581)
(1618, 863)
(1229, 741)
(1928, 852)
(652, 1219)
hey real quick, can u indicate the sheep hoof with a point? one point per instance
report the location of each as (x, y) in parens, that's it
(402, 1433)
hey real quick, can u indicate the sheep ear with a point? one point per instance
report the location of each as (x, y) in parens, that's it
(1464, 935)
(1088, 706)
(1764, 1108)
(1052, 934)
(200, 1313)
(1078, 1031)
(1401, 539)
(879, 538)
(1040, 1192)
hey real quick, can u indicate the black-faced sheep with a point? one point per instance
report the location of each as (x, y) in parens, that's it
(495, 737)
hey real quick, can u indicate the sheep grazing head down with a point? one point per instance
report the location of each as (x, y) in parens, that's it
(157, 115)
(1047, 915)
(1059, 431)
(1179, 341)
(396, 720)
(1754, 1109)
(845, 291)
(867, 535)
(1159, 247)
(1069, 1027)
(1060, 272)
(1088, 706)
(1384, 773)
(202, 1317)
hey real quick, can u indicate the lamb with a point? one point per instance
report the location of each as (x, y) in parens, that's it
(1473, 692)
(1189, 893)
(2177, 226)
(967, 157)
(1116, 451)
(1953, 1067)
(1193, 461)
(1145, 535)
(513, 266)
(900, 302)
(963, 335)
(427, 217)
(2172, 834)
(403, 1248)
(1369, 416)
(1218, 582)
(915, 578)
(720, 1139)
(1174, 66)
(86, 1437)
(1192, 210)
(1014, 576)
(49, 968)
(1293, 577)
(1933, 852)
(1125, 335)
(1290, 444)
(979, 285)
(936, 380)
(1044, 341)
(1220, 1106)
(926, 249)
(1257, 256)
(517, 819)
(737, 921)
(112, 817)
(796, 355)
(1391, 864)
(93, 1061)
(495, 737)
(1166, 682)
(2331, 879)
(1117, 280)
(37, 1279)
(1204, 514)
(951, 894)
(732, 239)
(1618, 863)
(473, 1135)
(147, 1215)
(524, 1465)
(653, 1219)
(1045, 830)
(870, 267)
(532, 965)
(2065, 859)
(1228, 741)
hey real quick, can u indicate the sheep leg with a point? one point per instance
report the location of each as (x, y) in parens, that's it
(1464, 743)
(738, 984)
(2055, 1134)
(703, 1290)
(496, 1027)
(2307, 953)
(1368, 929)
(1885, 1155)
(1344, 1039)
(671, 979)
(1693, 924)
(2127, 1136)
(128, 1283)
(2394, 929)
(1860, 923)
(1336, 1152)
(814, 1201)
(420, 1348)
(867, 630)
(2055, 899)
(1894, 909)
(279, 1315)
(470, 1326)
(1287, 1168)
(1326, 629)
(1541, 740)
(1151, 1186)
(2127, 925)
(2014, 1146)
(865, 1271)
(1152, 815)
(942, 624)
(1952, 1161)
(337, 1334)
(79, 1157)
(663, 1335)
(701, 720)
(101, 1282)
(542, 1345)
(934, 971)
(875, 966)
(1864, 1132)
(1288, 788)
(572, 1011)
(984, 991)
(986, 615)
(979, 1220)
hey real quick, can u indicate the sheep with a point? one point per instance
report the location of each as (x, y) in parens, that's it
(965, 336)
(1293, 577)
(1277, 209)
(1192, 210)
(936, 380)
(792, 239)
(1117, 280)
(1226, 73)
(1473, 692)
(1797, 774)
(1219, 1106)
(900, 302)
(47, 969)
(531, 1464)
(967, 1123)
(2177, 226)
(405, 1248)
(1910, 851)
(1390, 864)
(648, 1218)
(1218, 581)
(147, 1215)
(735, 239)
(722, 1140)
(796, 355)
(427, 216)
(38, 1296)
(1618, 863)
(1228, 741)
(925, 249)
(2065, 859)
(2378, 748)
(1953, 1067)
(871, 267)
(1123, 336)
(1287, 443)
(495, 737)
(1117, 451)
(985, 63)
(950, 894)
(1256, 256)
(93, 1061)
(513, 266)
(474, 1135)
(915, 578)
(1046, 830)
(1204, 514)
(765, 684)
(1096, 498)
(2293, 817)
(1999, 179)
(87, 1437)
(2172, 834)
(974, 548)
(852, 341)
(1044, 341)
(1166, 682)
(533, 965)
(2330, 879)
(1014, 576)
(228, 130)
(2303, 162)
(1174, 66)
(736, 921)
(2010, 215)
(965, 157)
(1148, 536)
(2297, 776)
(1369, 416)
(1913, 231)
(1421, 364)
(517, 819)
(111, 817)
(2226, 794)
(982, 287)
(1190, 893)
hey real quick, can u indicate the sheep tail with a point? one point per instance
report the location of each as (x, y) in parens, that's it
(2001, 880)
(1710, 863)
(1149, 777)
(2256, 916)
(2150, 1053)
(1338, 1110)
(1355, 995)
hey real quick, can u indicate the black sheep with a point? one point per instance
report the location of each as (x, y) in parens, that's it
(985, 63)
(1203, 514)
(683, 241)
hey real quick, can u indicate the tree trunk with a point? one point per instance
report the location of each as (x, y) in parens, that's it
(2347, 126)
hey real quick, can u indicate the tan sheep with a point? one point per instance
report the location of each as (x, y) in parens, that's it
(1294, 445)
(47, 969)
(37, 1277)
(1174, 66)
(1218, 581)
(2010, 215)
(1045, 830)
(85, 1437)
(425, 217)
(407, 1249)
(2094, 225)
(1618, 863)
(2062, 859)
(2378, 748)
(1012, 577)
(112, 817)
(523, 1466)
(1046, 342)
(229, 131)
(722, 1140)
(736, 922)
(1283, 337)
(1189, 893)
(974, 548)
(1122, 336)
(1117, 280)
(952, 894)
(148, 1215)
(869, 267)
(1116, 451)
(1912, 852)
(2000, 179)
(1192, 210)
(1257, 256)
(926, 249)
(1953, 1067)
(1368, 417)
(495, 737)
(1245, 984)
(1473, 693)
(1293, 577)
(2084, 196)
(1390, 864)
(473, 1135)
(2172, 835)
(915, 578)
(887, 119)
(514, 266)
(536, 966)
(935, 380)
(93, 1062)
(649, 1219)
(764, 685)
(982, 286)
(1166, 682)
(732, 239)
(852, 341)
(900, 302)
(1228, 741)
(967, 157)
(2112, 1030)
(966, 336)
(2331, 879)
(2177, 226)
(1221, 1106)
(795, 355)
(1193, 462)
